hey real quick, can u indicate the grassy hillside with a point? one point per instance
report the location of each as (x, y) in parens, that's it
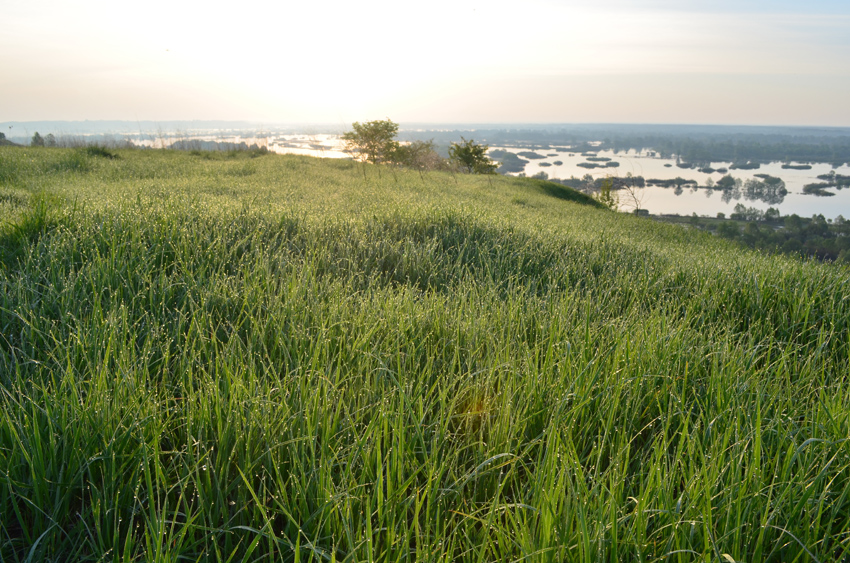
(218, 357)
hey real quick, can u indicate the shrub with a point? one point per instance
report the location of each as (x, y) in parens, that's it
(99, 151)
(472, 157)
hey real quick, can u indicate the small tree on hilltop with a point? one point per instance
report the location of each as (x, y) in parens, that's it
(606, 195)
(374, 140)
(37, 140)
(472, 157)
(419, 155)
(632, 193)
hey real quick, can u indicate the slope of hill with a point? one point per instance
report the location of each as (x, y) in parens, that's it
(288, 358)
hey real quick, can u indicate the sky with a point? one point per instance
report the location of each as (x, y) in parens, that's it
(538, 61)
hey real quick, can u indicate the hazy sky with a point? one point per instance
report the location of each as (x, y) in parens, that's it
(726, 62)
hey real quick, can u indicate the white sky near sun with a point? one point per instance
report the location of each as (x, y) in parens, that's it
(443, 61)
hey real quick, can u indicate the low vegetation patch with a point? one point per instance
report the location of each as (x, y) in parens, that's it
(531, 155)
(820, 189)
(98, 151)
(591, 165)
(814, 237)
(508, 161)
(749, 165)
(837, 180)
(330, 360)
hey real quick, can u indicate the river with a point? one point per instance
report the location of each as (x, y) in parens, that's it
(701, 201)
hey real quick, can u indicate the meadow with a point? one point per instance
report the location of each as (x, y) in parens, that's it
(241, 357)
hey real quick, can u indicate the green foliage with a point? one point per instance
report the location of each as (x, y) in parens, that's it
(606, 195)
(294, 364)
(727, 182)
(72, 161)
(769, 189)
(237, 153)
(751, 148)
(531, 155)
(745, 165)
(729, 229)
(744, 213)
(567, 194)
(836, 180)
(771, 214)
(818, 189)
(37, 140)
(815, 237)
(508, 161)
(4, 141)
(419, 155)
(472, 157)
(39, 216)
(374, 141)
(99, 151)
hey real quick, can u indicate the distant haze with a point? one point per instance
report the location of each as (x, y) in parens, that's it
(717, 62)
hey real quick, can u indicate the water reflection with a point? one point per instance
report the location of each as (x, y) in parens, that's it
(670, 189)
(766, 189)
(769, 189)
(729, 195)
(751, 191)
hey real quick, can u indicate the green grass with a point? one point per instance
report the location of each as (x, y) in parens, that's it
(286, 358)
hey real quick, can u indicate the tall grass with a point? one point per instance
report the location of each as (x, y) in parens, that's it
(296, 359)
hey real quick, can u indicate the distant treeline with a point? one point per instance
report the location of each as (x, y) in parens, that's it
(815, 237)
(747, 150)
(698, 145)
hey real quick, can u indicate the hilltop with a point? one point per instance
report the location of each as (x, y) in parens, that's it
(232, 355)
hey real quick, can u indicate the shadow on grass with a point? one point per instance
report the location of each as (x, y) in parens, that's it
(567, 194)
(40, 218)
(231, 154)
(99, 151)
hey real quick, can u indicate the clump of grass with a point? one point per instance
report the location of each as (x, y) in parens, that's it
(256, 151)
(300, 363)
(99, 152)
(234, 153)
(73, 161)
(13, 198)
(252, 152)
(40, 215)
